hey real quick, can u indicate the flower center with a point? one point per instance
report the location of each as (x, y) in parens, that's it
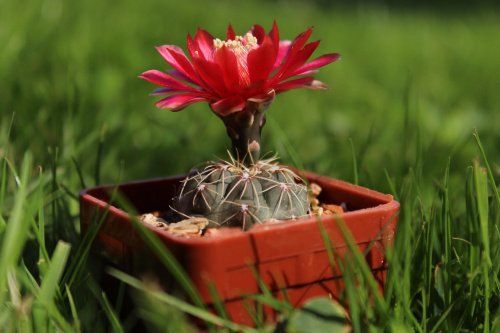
(240, 46)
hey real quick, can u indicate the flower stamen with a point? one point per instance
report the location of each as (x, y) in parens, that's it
(240, 47)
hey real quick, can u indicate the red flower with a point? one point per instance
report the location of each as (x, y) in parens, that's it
(228, 73)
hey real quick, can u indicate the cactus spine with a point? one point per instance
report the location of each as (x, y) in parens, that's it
(232, 194)
(245, 191)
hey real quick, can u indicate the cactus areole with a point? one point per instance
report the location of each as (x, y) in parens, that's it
(232, 194)
(239, 78)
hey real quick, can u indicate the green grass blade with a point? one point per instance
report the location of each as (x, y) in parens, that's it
(79, 172)
(336, 264)
(105, 304)
(472, 221)
(13, 287)
(266, 296)
(97, 173)
(481, 183)
(391, 185)
(282, 306)
(45, 308)
(218, 303)
(458, 300)
(286, 142)
(490, 174)
(55, 217)
(496, 324)
(487, 296)
(3, 225)
(3, 181)
(475, 245)
(77, 266)
(179, 304)
(446, 314)
(31, 205)
(31, 283)
(41, 218)
(354, 163)
(74, 311)
(398, 283)
(15, 234)
(163, 253)
(50, 283)
(362, 265)
(43, 256)
(446, 219)
(120, 296)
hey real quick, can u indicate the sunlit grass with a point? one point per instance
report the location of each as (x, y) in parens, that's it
(399, 118)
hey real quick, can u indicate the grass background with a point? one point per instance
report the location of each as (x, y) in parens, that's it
(413, 83)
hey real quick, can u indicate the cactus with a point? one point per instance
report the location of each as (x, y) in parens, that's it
(246, 190)
(239, 78)
(233, 194)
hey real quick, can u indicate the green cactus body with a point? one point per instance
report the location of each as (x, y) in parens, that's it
(234, 195)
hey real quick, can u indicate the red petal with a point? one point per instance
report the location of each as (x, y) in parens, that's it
(212, 76)
(295, 62)
(165, 91)
(178, 75)
(300, 41)
(284, 49)
(261, 60)
(188, 103)
(274, 34)
(165, 80)
(294, 49)
(178, 60)
(180, 101)
(226, 59)
(316, 63)
(230, 33)
(205, 42)
(170, 91)
(259, 33)
(303, 82)
(193, 49)
(254, 88)
(229, 105)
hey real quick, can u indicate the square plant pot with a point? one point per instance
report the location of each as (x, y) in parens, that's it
(289, 256)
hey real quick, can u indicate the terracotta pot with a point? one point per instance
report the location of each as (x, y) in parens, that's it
(290, 255)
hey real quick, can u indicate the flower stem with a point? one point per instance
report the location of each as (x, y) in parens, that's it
(244, 129)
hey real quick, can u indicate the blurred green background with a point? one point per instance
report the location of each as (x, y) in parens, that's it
(413, 82)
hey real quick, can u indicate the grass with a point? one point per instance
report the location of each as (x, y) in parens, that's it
(413, 86)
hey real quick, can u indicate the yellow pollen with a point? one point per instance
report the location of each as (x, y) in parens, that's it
(246, 43)
(240, 46)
